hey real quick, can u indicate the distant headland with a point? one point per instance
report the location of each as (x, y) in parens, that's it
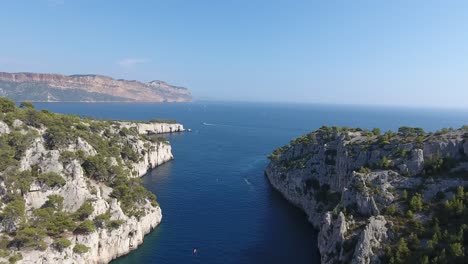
(44, 87)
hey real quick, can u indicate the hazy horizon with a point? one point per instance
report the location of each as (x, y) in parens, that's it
(361, 53)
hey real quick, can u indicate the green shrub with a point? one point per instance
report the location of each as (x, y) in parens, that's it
(402, 251)
(86, 227)
(376, 131)
(457, 250)
(26, 105)
(54, 201)
(14, 210)
(167, 121)
(7, 105)
(15, 258)
(101, 220)
(391, 210)
(385, 163)
(96, 167)
(51, 179)
(80, 249)
(61, 243)
(416, 202)
(114, 224)
(85, 210)
(30, 237)
(364, 170)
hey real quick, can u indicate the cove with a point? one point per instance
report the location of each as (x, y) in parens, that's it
(214, 196)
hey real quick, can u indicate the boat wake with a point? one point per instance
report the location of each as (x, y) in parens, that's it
(208, 124)
(247, 181)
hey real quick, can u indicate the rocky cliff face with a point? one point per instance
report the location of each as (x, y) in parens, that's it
(87, 88)
(346, 180)
(75, 183)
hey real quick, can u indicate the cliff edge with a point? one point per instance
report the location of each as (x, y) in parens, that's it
(69, 187)
(379, 198)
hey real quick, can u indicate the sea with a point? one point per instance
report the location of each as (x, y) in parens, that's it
(214, 195)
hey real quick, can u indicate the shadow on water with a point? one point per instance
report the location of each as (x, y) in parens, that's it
(278, 213)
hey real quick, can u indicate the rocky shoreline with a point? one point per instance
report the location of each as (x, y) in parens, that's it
(367, 193)
(82, 201)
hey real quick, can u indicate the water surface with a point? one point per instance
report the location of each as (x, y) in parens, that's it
(214, 195)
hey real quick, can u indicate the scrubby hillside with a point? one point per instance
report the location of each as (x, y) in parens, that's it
(391, 198)
(69, 187)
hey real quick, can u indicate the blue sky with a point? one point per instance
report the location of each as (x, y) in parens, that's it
(412, 53)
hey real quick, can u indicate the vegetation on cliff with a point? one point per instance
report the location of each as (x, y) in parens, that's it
(416, 180)
(106, 154)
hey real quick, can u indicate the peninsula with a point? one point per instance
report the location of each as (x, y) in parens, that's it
(397, 197)
(41, 87)
(69, 187)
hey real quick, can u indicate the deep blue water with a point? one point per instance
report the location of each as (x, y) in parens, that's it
(214, 195)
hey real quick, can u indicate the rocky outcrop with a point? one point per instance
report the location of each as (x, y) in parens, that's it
(345, 179)
(88, 88)
(371, 238)
(153, 128)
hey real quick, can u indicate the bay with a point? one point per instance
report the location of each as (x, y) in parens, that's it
(214, 196)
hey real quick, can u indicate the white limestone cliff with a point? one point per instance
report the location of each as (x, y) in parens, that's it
(104, 244)
(326, 164)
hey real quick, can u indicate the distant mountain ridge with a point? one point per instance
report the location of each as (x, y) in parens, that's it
(45, 87)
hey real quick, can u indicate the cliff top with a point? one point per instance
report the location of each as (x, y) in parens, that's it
(393, 197)
(68, 184)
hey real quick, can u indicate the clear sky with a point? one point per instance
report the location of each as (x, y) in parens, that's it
(354, 52)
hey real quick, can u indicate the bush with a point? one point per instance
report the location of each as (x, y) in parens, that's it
(86, 227)
(61, 243)
(101, 220)
(30, 237)
(385, 163)
(55, 202)
(51, 179)
(402, 251)
(456, 249)
(80, 249)
(114, 224)
(167, 121)
(96, 167)
(15, 258)
(26, 105)
(14, 210)
(7, 105)
(56, 136)
(364, 170)
(391, 210)
(405, 131)
(416, 203)
(376, 131)
(85, 210)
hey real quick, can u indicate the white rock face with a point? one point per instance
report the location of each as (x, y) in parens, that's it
(331, 234)
(4, 129)
(82, 145)
(105, 244)
(372, 236)
(156, 128)
(47, 160)
(303, 172)
(158, 154)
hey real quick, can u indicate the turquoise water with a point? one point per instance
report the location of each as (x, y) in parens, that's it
(214, 195)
